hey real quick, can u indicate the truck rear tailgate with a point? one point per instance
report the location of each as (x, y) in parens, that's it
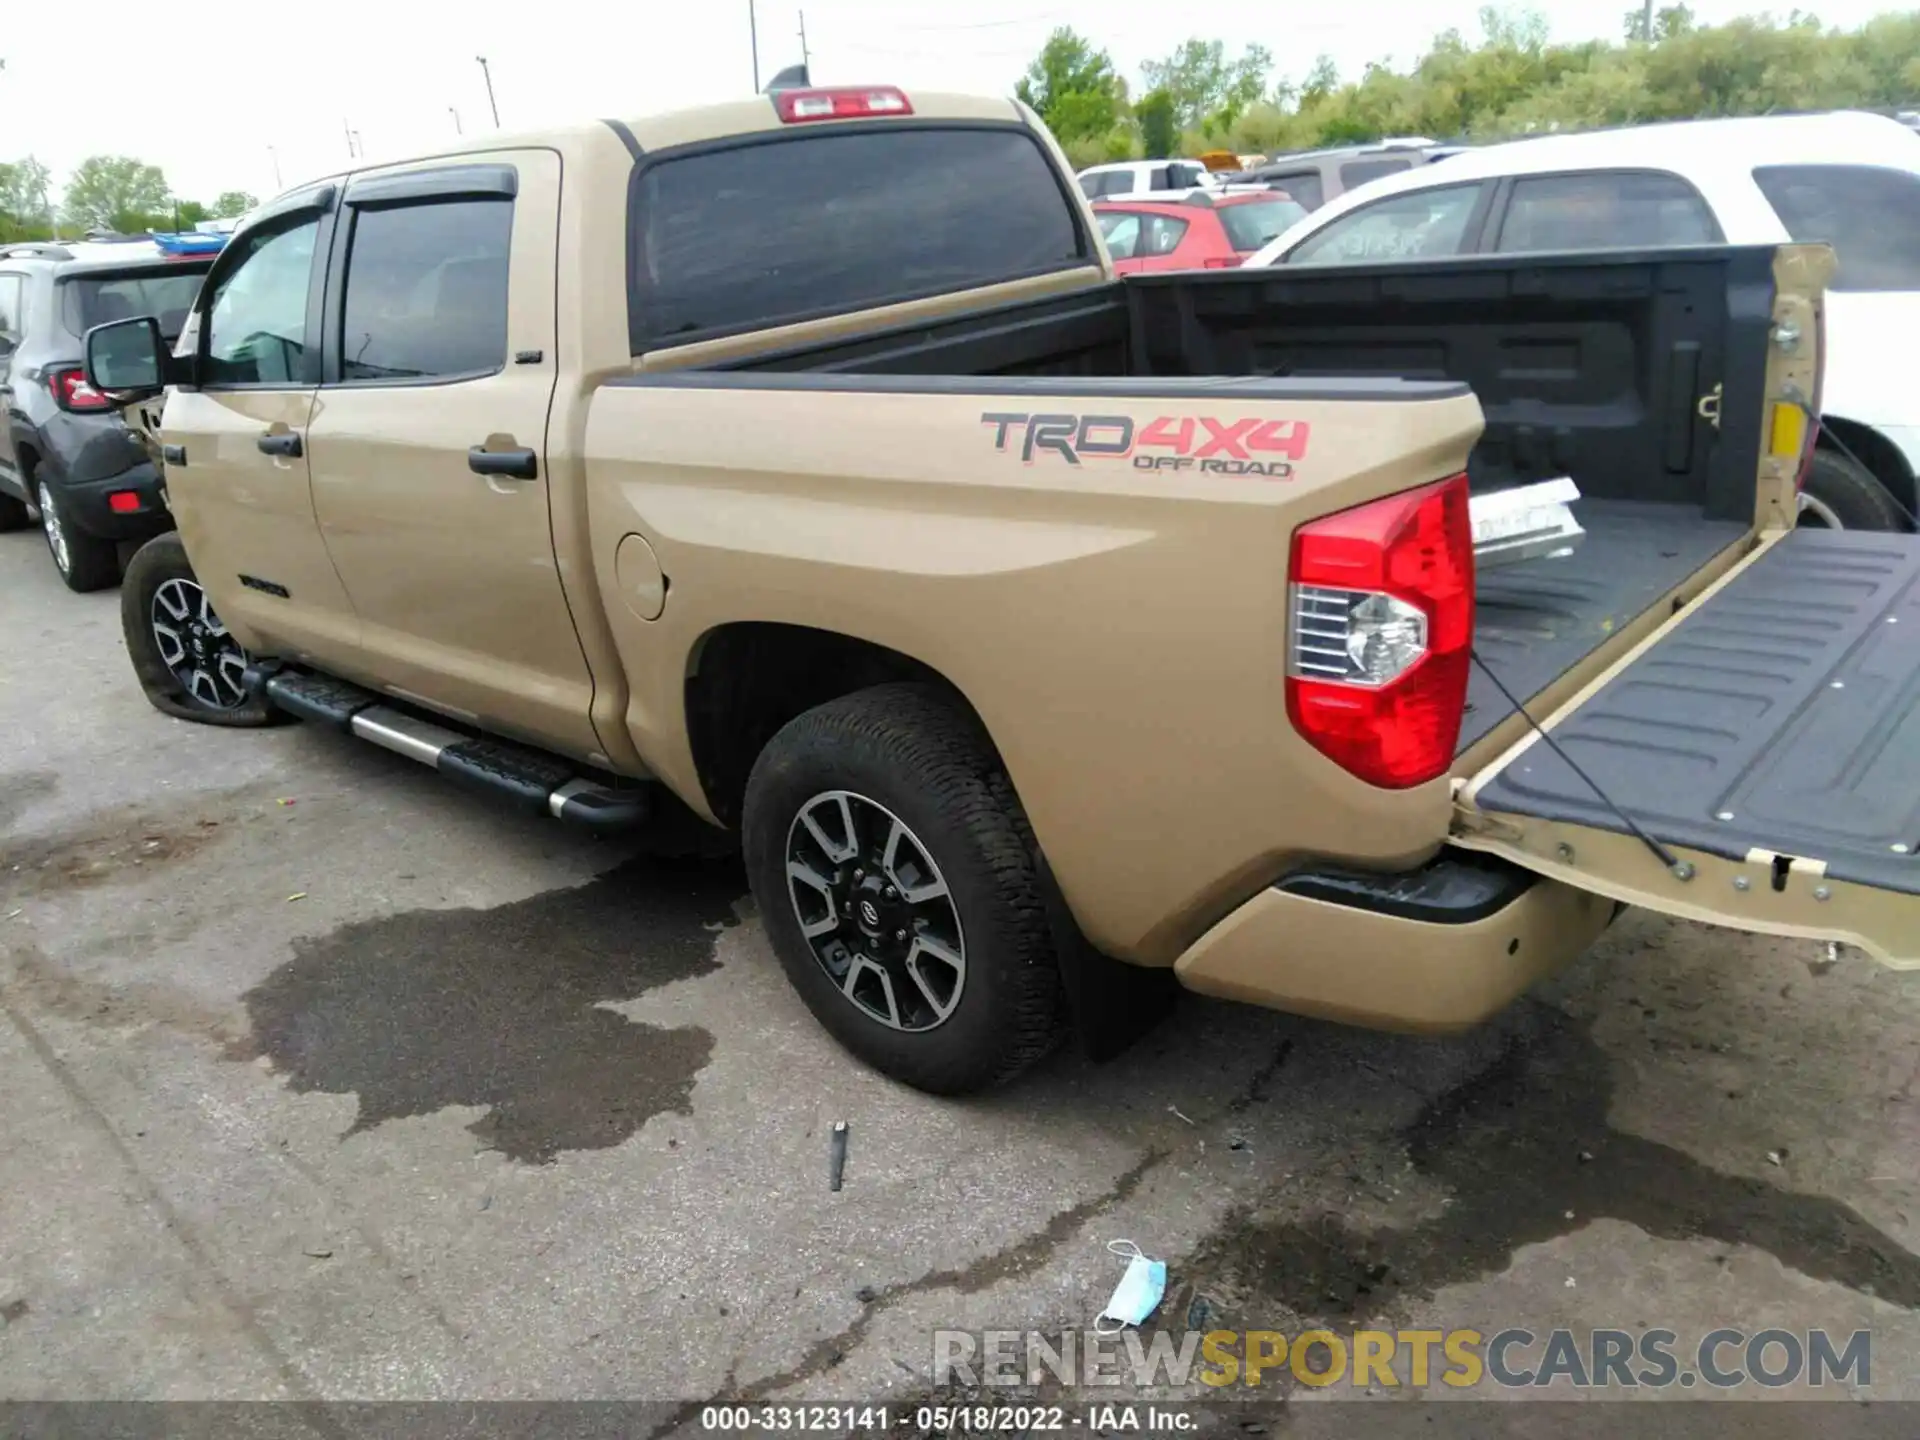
(1775, 725)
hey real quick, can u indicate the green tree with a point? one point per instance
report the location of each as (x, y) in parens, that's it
(25, 213)
(189, 213)
(118, 192)
(1207, 89)
(1515, 81)
(1159, 130)
(1668, 21)
(1073, 87)
(232, 204)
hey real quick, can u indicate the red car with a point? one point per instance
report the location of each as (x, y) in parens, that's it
(1192, 232)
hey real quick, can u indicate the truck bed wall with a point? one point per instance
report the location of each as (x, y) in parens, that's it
(1586, 366)
(1589, 366)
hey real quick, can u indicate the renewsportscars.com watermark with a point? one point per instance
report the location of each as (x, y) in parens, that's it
(1513, 1358)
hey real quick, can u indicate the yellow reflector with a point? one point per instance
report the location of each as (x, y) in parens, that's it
(1789, 430)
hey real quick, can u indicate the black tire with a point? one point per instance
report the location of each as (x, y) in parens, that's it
(89, 563)
(157, 562)
(13, 514)
(922, 757)
(1847, 494)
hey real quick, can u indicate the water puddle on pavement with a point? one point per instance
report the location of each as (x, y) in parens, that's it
(1519, 1146)
(501, 1007)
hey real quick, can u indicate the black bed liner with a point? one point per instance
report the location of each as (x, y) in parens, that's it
(1782, 715)
(1535, 621)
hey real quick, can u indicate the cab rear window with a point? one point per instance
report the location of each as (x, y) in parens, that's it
(787, 228)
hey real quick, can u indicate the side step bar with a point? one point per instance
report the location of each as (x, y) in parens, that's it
(530, 781)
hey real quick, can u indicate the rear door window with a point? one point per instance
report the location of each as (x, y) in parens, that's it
(1605, 210)
(1422, 224)
(1356, 173)
(1121, 230)
(772, 231)
(1302, 186)
(1162, 235)
(426, 291)
(1252, 224)
(1870, 216)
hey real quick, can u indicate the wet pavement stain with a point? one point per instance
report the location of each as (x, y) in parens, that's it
(1519, 1146)
(119, 845)
(114, 1004)
(501, 1007)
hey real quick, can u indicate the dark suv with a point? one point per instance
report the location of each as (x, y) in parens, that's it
(67, 459)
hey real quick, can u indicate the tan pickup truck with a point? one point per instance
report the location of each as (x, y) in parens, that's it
(1045, 638)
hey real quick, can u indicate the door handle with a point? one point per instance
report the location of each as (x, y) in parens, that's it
(513, 464)
(286, 442)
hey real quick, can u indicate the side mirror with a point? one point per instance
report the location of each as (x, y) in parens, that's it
(127, 359)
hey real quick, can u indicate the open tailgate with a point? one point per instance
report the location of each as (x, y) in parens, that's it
(1767, 739)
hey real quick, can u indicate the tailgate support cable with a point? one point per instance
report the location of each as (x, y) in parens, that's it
(1847, 450)
(1666, 857)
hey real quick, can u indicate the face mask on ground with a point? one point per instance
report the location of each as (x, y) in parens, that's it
(1138, 1292)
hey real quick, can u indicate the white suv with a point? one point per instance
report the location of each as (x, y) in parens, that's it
(1850, 179)
(1133, 177)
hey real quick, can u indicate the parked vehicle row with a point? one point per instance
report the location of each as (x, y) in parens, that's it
(1310, 178)
(1849, 179)
(68, 461)
(1045, 643)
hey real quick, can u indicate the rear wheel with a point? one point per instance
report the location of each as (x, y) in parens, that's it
(1841, 495)
(896, 877)
(188, 663)
(85, 562)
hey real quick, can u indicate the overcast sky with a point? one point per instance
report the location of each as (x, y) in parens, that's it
(214, 90)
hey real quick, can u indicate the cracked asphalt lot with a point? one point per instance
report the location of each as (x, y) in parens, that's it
(326, 1080)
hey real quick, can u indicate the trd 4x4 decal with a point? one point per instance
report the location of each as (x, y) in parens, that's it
(1214, 447)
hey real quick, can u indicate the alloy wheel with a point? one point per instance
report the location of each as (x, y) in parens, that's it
(876, 911)
(55, 529)
(195, 646)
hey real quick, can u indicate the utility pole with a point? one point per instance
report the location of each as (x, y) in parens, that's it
(1646, 22)
(456, 120)
(753, 38)
(274, 155)
(348, 129)
(803, 37)
(492, 104)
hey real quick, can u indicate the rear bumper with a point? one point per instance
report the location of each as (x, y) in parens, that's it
(1436, 950)
(89, 504)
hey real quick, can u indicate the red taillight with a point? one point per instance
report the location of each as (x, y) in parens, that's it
(72, 392)
(124, 502)
(841, 104)
(1381, 634)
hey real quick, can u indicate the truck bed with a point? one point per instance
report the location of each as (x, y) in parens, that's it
(1586, 366)
(1536, 620)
